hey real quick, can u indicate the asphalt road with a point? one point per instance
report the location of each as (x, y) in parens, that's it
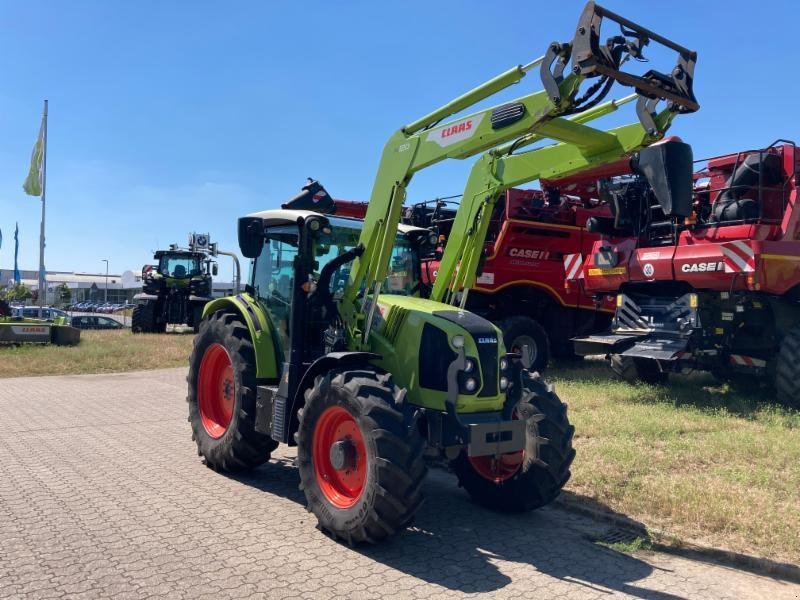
(102, 495)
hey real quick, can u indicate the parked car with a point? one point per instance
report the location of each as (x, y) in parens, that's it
(39, 312)
(93, 322)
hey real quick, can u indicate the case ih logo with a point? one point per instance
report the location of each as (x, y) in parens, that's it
(528, 253)
(703, 267)
(455, 132)
(318, 196)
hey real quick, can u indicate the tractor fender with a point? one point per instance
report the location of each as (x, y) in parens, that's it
(259, 326)
(319, 366)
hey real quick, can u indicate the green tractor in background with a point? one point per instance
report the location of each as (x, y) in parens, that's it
(175, 290)
(331, 349)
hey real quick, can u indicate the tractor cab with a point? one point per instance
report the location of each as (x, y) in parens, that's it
(302, 265)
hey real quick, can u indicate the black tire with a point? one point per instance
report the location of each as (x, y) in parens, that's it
(787, 369)
(142, 318)
(197, 316)
(240, 446)
(638, 369)
(548, 456)
(519, 330)
(395, 469)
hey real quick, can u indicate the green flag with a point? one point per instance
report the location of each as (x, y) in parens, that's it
(33, 182)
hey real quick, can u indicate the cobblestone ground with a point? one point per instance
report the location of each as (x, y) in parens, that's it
(102, 495)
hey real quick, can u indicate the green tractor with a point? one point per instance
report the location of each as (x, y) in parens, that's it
(175, 290)
(331, 349)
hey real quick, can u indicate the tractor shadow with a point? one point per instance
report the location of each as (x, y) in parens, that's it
(460, 546)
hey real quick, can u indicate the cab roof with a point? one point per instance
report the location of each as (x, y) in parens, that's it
(283, 216)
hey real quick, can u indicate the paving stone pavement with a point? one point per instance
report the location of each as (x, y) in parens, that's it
(102, 495)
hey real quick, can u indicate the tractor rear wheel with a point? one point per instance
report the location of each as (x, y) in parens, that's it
(222, 396)
(787, 370)
(533, 477)
(361, 468)
(143, 318)
(519, 331)
(638, 369)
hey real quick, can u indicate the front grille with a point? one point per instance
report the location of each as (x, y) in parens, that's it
(434, 357)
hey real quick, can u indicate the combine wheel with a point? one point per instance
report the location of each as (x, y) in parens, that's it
(534, 476)
(638, 369)
(787, 371)
(519, 331)
(360, 468)
(222, 395)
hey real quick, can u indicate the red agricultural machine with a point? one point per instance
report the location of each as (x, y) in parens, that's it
(704, 262)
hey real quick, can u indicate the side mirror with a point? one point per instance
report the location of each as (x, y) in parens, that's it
(667, 167)
(214, 270)
(251, 236)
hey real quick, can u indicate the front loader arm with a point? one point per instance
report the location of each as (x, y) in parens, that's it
(426, 141)
(493, 174)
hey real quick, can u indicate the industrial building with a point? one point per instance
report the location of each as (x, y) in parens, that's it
(93, 286)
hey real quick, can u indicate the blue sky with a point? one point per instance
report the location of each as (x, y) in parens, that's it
(167, 117)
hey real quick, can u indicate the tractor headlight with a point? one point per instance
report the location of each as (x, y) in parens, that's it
(503, 383)
(457, 341)
(503, 363)
(470, 366)
(470, 385)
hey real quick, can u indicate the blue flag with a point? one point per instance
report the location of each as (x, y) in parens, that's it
(16, 252)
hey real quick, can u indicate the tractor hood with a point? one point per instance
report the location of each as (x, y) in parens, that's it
(419, 339)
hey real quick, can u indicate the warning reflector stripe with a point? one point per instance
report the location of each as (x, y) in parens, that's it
(738, 257)
(747, 361)
(573, 264)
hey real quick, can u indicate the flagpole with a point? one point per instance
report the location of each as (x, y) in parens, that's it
(42, 276)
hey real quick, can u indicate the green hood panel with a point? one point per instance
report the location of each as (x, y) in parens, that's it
(397, 333)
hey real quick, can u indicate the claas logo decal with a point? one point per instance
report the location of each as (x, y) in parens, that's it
(455, 132)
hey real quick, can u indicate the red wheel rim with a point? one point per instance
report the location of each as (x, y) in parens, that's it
(342, 487)
(216, 388)
(498, 468)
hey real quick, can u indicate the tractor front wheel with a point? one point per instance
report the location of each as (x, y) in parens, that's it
(361, 469)
(222, 396)
(787, 370)
(534, 476)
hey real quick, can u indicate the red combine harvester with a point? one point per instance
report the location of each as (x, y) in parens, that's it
(704, 262)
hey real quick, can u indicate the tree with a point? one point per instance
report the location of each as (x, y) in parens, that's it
(63, 293)
(15, 292)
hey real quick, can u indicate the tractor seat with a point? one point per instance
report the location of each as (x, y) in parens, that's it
(180, 271)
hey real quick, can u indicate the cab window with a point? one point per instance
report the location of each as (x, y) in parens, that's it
(273, 277)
